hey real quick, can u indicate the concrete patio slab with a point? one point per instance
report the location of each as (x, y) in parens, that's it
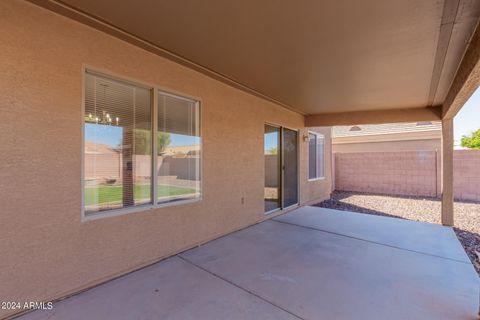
(171, 289)
(422, 237)
(319, 275)
(279, 270)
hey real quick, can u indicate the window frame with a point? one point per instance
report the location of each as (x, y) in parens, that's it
(317, 158)
(154, 91)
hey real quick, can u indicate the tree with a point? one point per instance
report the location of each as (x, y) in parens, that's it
(142, 145)
(471, 141)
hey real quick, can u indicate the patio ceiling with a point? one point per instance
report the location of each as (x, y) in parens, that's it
(314, 57)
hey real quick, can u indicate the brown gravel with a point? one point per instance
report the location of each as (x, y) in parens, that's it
(466, 214)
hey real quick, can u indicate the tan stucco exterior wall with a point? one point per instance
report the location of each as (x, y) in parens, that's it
(46, 250)
(310, 191)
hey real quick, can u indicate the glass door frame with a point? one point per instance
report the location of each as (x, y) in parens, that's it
(279, 167)
(282, 167)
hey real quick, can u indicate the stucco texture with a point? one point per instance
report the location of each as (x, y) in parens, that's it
(46, 250)
(321, 188)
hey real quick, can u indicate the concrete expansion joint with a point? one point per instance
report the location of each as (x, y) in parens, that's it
(239, 287)
(373, 242)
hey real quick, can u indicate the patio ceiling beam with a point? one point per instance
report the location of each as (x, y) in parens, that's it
(374, 117)
(466, 79)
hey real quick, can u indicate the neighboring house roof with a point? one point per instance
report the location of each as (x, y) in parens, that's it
(390, 128)
(191, 149)
(387, 132)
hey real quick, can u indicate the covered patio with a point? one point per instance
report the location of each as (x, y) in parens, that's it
(310, 263)
(136, 145)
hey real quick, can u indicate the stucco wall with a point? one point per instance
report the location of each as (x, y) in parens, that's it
(312, 190)
(46, 250)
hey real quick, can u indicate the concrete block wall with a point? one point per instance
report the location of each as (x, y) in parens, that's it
(411, 173)
(405, 173)
(466, 174)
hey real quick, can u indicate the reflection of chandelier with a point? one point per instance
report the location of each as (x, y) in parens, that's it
(104, 119)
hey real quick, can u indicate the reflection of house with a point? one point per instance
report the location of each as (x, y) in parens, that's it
(408, 136)
(190, 150)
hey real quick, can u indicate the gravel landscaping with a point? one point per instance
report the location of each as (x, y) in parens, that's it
(466, 214)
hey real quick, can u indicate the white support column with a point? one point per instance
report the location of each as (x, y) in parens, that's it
(447, 172)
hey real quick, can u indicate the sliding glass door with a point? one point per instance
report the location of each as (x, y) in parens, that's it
(290, 167)
(272, 167)
(281, 167)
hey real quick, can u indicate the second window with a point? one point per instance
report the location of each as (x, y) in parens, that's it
(316, 166)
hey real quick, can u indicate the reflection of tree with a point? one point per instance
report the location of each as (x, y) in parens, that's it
(163, 140)
(142, 141)
(273, 150)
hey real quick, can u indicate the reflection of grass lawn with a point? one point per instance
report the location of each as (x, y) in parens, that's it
(113, 194)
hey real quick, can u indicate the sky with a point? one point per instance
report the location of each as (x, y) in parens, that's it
(271, 141)
(467, 119)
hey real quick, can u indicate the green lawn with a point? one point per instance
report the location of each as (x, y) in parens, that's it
(113, 194)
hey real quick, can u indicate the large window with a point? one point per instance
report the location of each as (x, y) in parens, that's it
(316, 161)
(119, 150)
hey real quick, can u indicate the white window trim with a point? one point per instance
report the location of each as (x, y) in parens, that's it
(155, 90)
(318, 136)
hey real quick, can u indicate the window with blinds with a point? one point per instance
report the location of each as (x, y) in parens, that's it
(178, 147)
(316, 157)
(119, 149)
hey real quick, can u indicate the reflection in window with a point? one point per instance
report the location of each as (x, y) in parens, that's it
(272, 167)
(178, 147)
(117, 131)
(118, 153)
(316, 162)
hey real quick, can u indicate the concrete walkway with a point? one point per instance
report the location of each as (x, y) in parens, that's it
(312, 263)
